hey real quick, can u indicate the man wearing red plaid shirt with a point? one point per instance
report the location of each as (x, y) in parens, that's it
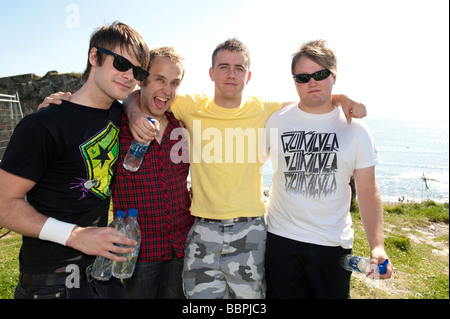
(159, 188)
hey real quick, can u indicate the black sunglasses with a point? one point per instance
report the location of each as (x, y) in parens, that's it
(317, 76)
(122, 65)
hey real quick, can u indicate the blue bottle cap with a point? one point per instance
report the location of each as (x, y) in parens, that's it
(132, 212)
(151, 120)
(382, 268)
(121, 214)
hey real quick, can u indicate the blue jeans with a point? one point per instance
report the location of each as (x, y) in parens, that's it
(156, 280)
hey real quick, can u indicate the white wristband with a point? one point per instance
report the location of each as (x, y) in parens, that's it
(56, 231)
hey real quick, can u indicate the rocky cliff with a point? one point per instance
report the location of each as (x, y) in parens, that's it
(33, 89)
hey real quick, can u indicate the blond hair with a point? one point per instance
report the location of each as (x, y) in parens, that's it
(319, 52)
(167, 52)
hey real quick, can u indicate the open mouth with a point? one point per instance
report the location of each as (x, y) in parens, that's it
(160, 102)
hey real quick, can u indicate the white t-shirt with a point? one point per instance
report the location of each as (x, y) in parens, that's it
(313, 158)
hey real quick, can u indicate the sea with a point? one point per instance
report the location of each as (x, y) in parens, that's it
(414, 160)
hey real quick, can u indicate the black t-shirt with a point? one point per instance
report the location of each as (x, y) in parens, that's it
(71, 152)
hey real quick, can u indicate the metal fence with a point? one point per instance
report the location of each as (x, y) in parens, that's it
(10, 115)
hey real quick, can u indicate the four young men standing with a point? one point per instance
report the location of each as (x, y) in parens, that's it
(224, 254)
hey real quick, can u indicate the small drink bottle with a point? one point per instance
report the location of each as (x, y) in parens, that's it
(361, 264)
(131, 230)
(102, 268)
(135, 155)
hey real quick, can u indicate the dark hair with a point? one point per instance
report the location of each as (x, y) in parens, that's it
(233, 45)
(118, 34)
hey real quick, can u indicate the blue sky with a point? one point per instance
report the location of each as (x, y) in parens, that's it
(393, 55)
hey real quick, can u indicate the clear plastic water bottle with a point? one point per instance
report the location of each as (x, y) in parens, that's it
(136, 152)
(102, 268)
(361, 264)
(132, 230)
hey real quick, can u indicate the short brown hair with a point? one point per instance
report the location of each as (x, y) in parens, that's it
(317, 51)
(233, 45)
(167, 52)
(118, 33)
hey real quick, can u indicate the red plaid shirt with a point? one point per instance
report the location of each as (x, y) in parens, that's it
(159, 191)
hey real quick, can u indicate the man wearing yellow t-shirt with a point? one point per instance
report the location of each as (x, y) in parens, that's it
(224, 254)
(227, 241)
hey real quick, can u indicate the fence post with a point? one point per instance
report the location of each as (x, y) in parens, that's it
(10, 115)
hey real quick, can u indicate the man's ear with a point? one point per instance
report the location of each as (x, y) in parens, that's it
(93, 56)
(211, 70)
(249, 76)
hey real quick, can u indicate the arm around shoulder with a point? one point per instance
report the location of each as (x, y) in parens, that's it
(141, 129)
(349, 107)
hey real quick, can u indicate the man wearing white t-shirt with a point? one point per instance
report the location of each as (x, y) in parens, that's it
(314, 152)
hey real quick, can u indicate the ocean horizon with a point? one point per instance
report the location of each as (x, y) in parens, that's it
(409, 150)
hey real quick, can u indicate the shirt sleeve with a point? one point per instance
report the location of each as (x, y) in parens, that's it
(29, 150)
(272, 106)
(181, 106)
(367, 154)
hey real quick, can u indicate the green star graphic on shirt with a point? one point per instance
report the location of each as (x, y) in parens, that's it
(100, 154)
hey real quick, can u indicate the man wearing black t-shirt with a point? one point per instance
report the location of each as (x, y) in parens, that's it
(62, 159)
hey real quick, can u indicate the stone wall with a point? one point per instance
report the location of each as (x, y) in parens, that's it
(33, 89)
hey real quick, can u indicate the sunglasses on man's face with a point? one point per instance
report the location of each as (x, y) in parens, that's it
(317, 76)
(122, 65)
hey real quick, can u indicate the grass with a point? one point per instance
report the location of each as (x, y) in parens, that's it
(9, 263)
(416, 240)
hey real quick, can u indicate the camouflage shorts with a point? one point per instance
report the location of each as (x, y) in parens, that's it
(225, 261)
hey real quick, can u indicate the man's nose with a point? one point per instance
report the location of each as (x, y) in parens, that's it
(166, 89)
(128, 74)
(312, 81)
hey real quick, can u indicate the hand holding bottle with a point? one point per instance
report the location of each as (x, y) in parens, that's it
(363, 265)
(100, 241)
(135, 155)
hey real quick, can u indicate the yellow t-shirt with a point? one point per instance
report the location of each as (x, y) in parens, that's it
(226, 155)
